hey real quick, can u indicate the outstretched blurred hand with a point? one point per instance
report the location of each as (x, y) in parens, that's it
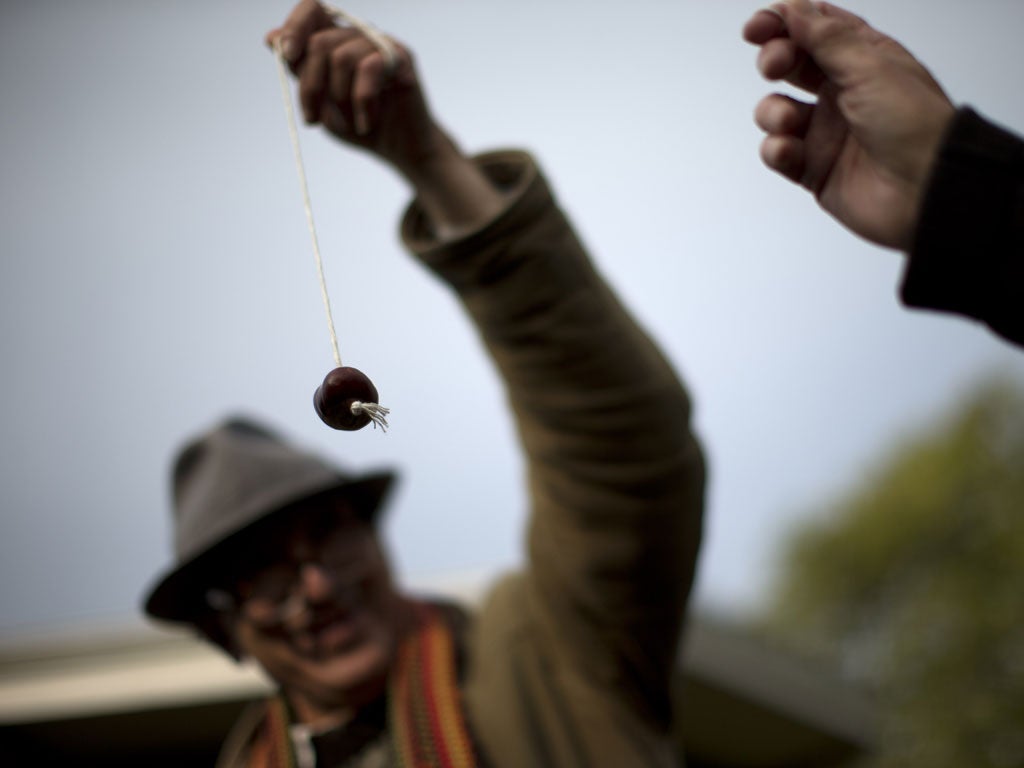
(866, 146)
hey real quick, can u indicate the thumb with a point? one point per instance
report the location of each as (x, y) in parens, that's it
(838, 41)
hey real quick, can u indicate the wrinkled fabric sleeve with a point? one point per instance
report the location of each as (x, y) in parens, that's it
(968, 251)
(616, 477)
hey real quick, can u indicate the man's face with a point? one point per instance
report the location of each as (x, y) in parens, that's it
(317, 609)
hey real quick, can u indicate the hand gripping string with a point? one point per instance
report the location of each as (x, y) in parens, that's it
(376, 412)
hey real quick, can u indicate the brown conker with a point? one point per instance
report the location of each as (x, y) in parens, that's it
(334, 398)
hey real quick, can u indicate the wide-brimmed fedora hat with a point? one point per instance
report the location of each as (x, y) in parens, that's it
(226, 481)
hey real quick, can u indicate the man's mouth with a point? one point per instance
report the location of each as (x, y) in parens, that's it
(334, 634)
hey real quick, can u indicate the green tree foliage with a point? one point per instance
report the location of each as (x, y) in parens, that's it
(914, 586)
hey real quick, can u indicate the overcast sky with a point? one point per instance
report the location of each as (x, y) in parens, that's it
(157, 274)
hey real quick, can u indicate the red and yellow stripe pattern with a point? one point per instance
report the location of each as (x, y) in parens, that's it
(427, 722)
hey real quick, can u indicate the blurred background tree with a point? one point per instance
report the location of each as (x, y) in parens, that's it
(913, 585)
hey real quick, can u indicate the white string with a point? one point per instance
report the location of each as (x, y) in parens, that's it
(293, 132)
(387, 50)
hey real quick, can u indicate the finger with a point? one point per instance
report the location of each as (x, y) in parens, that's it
(293, 36)
(827, 9)
(345, 61)
(764, 25)
(777, 58)
(371, 76)
(403, 71)
(782, 115)
(838, 41)
(785, 155)
(315, 70)
(327, 50)
(797, 6)
(781, 59)
(332, 119)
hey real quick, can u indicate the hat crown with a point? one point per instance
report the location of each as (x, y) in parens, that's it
(235, 474)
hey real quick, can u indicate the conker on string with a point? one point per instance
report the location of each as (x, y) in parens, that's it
(341, 388)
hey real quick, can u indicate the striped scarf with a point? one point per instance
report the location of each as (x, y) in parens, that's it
(426, 723)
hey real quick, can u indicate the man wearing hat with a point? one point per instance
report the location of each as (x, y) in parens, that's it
(567, 663)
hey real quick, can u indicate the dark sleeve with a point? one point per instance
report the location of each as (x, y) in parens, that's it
(968, 251)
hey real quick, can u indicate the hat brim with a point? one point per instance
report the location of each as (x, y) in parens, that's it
(180, 594)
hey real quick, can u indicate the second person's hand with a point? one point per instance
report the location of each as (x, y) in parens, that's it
(866, 147)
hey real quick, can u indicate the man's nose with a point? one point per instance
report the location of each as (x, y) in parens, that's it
(315, 582)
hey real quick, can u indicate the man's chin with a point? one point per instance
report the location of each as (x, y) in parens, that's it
(349, 677)
(344, 653)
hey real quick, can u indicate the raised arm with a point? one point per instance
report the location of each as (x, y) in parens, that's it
(616, 477)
